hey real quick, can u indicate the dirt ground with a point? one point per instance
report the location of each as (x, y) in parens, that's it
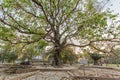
(64, 73)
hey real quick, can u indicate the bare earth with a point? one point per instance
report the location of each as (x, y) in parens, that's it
(65, 73)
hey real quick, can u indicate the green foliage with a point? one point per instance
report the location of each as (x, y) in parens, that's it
(8, 56)
(6, 32)
(41, 44)
(96, 57)
(68, 56)
(28, 54)
(8, 53)
(11, 57)
(38, 22)
(33, 50)
(87, 56)
(114, 58)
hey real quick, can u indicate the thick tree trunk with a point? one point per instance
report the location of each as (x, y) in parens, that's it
(57, 48)
(96, 62)
(57, 57)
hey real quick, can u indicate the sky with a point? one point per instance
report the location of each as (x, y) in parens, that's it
(114, 5)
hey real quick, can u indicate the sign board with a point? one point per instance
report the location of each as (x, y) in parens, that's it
(84, 61)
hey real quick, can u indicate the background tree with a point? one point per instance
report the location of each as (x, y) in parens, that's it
(31, 51)
(10, 57)
(8, 54)
(59, 22)
(86, 56)
(96, 57)
(69, 56)
(114, 57)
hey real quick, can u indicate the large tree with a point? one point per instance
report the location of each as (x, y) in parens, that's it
(59, 22)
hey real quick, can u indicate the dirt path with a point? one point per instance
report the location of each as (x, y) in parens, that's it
(51, 73)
